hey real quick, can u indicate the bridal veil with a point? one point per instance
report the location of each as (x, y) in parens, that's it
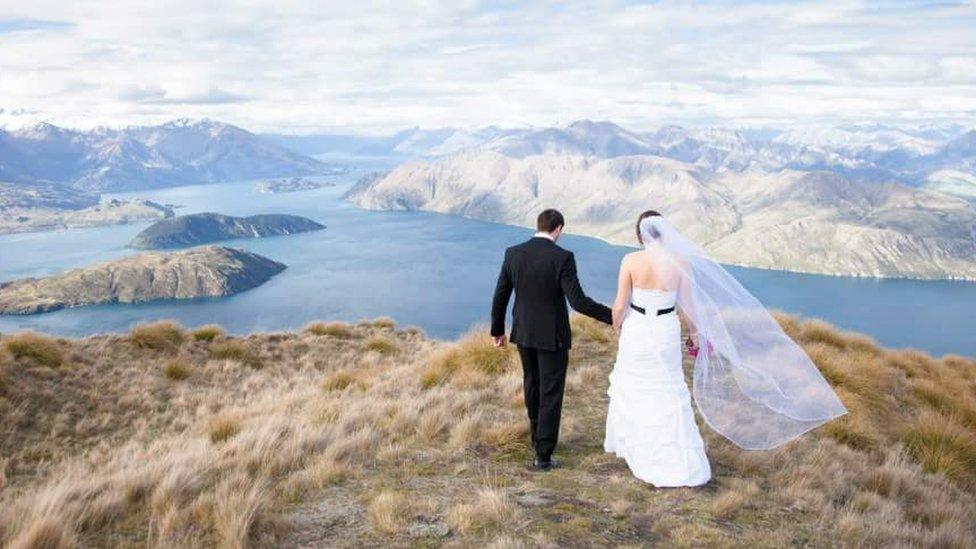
(752, 383)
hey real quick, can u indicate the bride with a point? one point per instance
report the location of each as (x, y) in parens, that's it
(752, 383)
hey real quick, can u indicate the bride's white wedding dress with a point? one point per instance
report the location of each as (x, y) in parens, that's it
(650, 422)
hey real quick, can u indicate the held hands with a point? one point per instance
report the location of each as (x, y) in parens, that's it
(499, 341)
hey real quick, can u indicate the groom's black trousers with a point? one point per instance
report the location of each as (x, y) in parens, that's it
(543, 382)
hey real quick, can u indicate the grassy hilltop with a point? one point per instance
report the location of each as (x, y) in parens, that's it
(350, 435)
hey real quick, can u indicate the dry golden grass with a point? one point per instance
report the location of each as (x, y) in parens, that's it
(382, 345)
(222, 428)
(334, 443)
(473, 354)
(383, 322)
(489, 508)
(164, 335)
(178, 369)
(332, 329)
(35, 349)
(337, 381)
(238, 351)
(208, 332)
(389, 512)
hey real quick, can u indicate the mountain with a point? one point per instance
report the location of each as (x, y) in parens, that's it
(953, 182)
(818, 222)
(140, 157)
(209, 271)
(43, 194)
(201, 228)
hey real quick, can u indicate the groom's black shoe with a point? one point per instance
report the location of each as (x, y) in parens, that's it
(541, 464)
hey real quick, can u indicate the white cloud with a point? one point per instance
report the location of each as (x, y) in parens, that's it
(311, 66)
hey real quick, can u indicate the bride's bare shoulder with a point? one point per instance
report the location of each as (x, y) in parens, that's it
(633, 259)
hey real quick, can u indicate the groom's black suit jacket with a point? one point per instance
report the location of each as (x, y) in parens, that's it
(543, 276)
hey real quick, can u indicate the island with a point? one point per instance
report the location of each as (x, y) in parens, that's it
(208, 271)
(47, 206)
(290, 185)
(201, 228)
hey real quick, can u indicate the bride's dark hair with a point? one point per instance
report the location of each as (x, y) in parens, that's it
(643, 216)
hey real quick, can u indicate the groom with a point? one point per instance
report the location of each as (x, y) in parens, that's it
(543, 276)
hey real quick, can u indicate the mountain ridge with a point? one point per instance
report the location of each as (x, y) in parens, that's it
(141, 157)
(815, 222)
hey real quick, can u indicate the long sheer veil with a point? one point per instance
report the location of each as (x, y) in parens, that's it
(752, 383)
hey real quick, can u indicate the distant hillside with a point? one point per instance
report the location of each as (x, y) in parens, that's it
(817, 222)
(141, 157)
(201, 228)
(106, 212)
(369, 436)
(208, 271)
(859, 152)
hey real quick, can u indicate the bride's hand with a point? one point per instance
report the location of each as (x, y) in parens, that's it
(618, 321)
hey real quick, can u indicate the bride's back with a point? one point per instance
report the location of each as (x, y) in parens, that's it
(652, 269)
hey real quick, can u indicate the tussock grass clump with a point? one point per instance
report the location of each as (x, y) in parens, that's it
(35, 348)
(178, 369)
(383, 322)
(237, 351)
(491, 507)
(338, 381)
(382, 345)
(164, 335)
(45, 533)
(331, 329)
(222, 427)
(389, 512)
(238, 502)
(208, 332)
(473, 353)
(942, 445)
(739, 494)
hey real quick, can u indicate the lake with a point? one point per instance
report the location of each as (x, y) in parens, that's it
(436, 272)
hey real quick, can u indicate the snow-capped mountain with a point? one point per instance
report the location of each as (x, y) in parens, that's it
(861, 152)
(139, 157)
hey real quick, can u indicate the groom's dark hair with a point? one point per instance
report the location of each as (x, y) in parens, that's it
(549, 220)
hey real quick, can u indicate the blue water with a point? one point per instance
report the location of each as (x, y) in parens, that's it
(436, 272)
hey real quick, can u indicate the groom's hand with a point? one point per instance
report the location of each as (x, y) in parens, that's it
(499, 341)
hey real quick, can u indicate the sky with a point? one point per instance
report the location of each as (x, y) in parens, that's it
(374, 67)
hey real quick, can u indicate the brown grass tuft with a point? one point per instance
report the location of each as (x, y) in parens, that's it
(208, 332)
(491, 507)
(331, 329)
(164, 335)
(35, 348)
(388, 512)
(382, 345)
(45, 533)
(238, 351)
(383, 322)
(222, 427)
(739, 494)
(338, 381)
(473, 353)
(942, 445)
(178, 369)
(238, 502)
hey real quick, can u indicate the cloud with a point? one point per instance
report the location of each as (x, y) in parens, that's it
(23, 25)
(319, 66)
(154, 95)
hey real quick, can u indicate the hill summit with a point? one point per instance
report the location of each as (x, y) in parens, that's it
(369, 435)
